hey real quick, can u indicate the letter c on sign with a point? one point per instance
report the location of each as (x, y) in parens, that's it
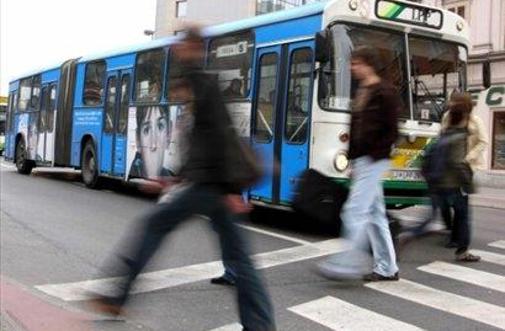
(490, 100)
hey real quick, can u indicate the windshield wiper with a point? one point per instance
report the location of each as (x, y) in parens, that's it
(430, 96)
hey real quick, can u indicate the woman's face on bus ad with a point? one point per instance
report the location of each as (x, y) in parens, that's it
(154, 137)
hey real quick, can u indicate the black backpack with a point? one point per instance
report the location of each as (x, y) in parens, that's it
(435, 160)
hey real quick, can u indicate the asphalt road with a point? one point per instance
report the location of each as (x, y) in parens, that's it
(56, 234)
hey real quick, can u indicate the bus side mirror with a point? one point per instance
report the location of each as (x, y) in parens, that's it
(322, 49)
(486, 74)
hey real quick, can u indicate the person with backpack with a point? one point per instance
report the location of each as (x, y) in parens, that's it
(374, 130)
(452, 176)
(216, 176)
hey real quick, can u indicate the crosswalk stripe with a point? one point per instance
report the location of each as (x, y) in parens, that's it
(498, 244)
(229, 327)
(452, 303)
(490, 257)
(336, 314)
(467, 275)
(152, 281)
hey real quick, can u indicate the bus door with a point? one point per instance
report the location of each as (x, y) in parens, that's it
(115, 122)
(281, 117)
(45, 147)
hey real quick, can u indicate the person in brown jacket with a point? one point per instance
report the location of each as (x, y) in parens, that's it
(374, 129)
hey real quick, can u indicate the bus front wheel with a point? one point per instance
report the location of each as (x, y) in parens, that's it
(89, 166)
(23, 165)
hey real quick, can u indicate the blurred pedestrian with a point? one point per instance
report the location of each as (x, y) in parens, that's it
(457, 180)
(212, 165)
(374, 129)
(477, 142)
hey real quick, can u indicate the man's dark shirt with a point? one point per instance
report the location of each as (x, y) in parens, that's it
(374, 125)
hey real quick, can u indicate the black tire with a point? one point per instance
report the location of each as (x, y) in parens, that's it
(89, 166)
(23, 165)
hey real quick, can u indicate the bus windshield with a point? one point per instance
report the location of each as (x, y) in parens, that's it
(336, 87)
(438, 68)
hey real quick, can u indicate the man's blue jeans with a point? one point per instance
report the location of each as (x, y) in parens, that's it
(458, 200)
(364, 215)
(255, 308)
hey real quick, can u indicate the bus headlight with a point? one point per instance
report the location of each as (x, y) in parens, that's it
(341, 162)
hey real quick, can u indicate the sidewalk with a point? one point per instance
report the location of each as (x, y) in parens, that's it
(488, 197)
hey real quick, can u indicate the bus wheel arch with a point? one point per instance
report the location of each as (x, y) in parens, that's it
(24, 166)
(89, 163)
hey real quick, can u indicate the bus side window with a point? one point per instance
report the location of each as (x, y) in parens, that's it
(93, 86)
(149, 75)
(43, 109)
(264, 117)
(35, 98)
(24, 94)
(52, 107)
(300, 80)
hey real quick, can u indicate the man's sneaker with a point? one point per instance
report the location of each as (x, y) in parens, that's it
(222, 281)
(375, 277)
(467, 257)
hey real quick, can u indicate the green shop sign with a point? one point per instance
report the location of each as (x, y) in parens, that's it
(495, 96)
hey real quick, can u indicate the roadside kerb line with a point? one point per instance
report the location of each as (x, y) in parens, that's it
(337, 314)
(467, 275)
(498, 244)
(157, 280)
(472, 309)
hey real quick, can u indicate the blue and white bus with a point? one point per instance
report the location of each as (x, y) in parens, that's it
(286, 78)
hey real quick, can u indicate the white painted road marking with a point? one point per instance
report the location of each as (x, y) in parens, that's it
(451, 303)
(276, 235)
(467, 275)
(336, 314)
(152, 281)
(230, 327)
(490, 257)
(498, 244)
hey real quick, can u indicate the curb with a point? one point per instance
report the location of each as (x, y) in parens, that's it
(487, 202)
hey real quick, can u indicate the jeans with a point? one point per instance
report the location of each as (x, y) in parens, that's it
(364, 218)
(458, 200)
(255, 308)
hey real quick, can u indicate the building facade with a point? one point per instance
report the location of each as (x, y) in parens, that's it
(172, 15)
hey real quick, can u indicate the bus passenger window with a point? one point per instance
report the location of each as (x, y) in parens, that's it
(230, 57)
(149, 75)
(35, 98)
(93, 86)
(24, 94)
(264, 116)
(300, 79)
(52, 108)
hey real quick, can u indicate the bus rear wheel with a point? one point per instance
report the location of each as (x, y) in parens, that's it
(89, 166)
(23, 165)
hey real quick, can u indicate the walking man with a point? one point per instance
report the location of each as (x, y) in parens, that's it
(373, 132)
(208, 166)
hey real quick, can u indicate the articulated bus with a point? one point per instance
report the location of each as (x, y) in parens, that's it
(286, 79)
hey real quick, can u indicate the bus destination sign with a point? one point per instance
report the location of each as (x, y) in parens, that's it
(409, 13)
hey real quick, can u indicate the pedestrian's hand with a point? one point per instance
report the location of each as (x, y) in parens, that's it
(236, 204)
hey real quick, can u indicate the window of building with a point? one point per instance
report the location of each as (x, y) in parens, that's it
(149, 75)
(230, 59)
(93, 83)
(498, 146)
(181, 8)
(457, 7)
